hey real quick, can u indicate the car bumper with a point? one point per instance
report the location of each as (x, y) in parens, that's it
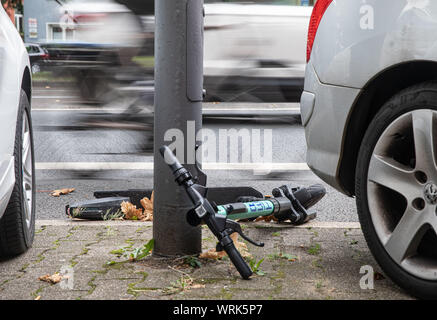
(324, 110)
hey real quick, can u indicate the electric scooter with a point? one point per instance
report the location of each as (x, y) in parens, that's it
(286, 204)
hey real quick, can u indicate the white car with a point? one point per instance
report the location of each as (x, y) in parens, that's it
(369, 109)
(102, 22)
(17, 169)
(255, 47)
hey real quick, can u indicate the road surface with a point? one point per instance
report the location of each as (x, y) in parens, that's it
(90, 159)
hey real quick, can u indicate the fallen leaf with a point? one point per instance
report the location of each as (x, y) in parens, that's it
(130, 211)
(60, 192)
(212, 254)
(240, 246)
(52, 279)
(148, 208)
(378, 276)
(266, 218)
(37, 298)
(197, 286)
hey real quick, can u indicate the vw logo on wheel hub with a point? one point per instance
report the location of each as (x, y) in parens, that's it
(431, 193)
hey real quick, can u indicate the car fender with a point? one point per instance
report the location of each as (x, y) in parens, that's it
(378, 33)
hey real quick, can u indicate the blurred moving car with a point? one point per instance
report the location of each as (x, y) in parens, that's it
(104, 37)
(17, 166)
(255, 50)
(38, 56)
(94, 66)
(370, 114)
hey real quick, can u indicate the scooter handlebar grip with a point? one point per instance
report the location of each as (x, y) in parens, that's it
(238, 261)
(170, 159)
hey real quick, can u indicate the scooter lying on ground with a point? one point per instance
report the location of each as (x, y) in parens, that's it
(218, 208)
(286, 204)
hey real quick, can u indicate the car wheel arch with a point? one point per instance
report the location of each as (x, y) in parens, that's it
(26, 83)
(373, 96)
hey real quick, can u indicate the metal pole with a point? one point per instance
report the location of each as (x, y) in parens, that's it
(178, 99)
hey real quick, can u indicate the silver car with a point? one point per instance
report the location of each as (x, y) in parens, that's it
(369, 109)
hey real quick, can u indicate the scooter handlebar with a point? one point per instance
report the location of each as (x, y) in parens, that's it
(170, 159)
(182, 175)
(237, 260)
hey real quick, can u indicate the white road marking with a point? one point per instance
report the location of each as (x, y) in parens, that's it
(258, 167)
(208, 109)
(76, 109)
(253, 109)
(50, 90)
(55, 97)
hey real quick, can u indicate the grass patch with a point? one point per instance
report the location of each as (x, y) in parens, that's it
(314, 249)
(193, 261)
(280, 255)
(255, 266)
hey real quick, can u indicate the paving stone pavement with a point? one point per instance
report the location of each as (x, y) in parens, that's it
(317, 262)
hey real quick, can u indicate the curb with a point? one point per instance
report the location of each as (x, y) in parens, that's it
(311, 224)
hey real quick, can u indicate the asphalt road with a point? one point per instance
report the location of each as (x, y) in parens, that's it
(61, 143)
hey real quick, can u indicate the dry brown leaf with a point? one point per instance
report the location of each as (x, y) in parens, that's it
(130, 211)
(212, 254)
(197, 286)
(60, 192)
(266, 218)
(148, 208)
(52, 279)
(378, 276)
(240, 246)
(188, 283)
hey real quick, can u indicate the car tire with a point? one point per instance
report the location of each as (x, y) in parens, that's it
(17, 225)
(394, 175)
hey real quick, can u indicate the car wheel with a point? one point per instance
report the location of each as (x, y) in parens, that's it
(396, 189)
(17, 226)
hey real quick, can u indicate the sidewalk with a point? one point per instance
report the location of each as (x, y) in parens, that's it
(318, 262)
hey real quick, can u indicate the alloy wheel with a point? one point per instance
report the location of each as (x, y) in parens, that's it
(402, 192)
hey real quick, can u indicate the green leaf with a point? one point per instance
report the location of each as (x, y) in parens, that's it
(259, 263)
(149, 245)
